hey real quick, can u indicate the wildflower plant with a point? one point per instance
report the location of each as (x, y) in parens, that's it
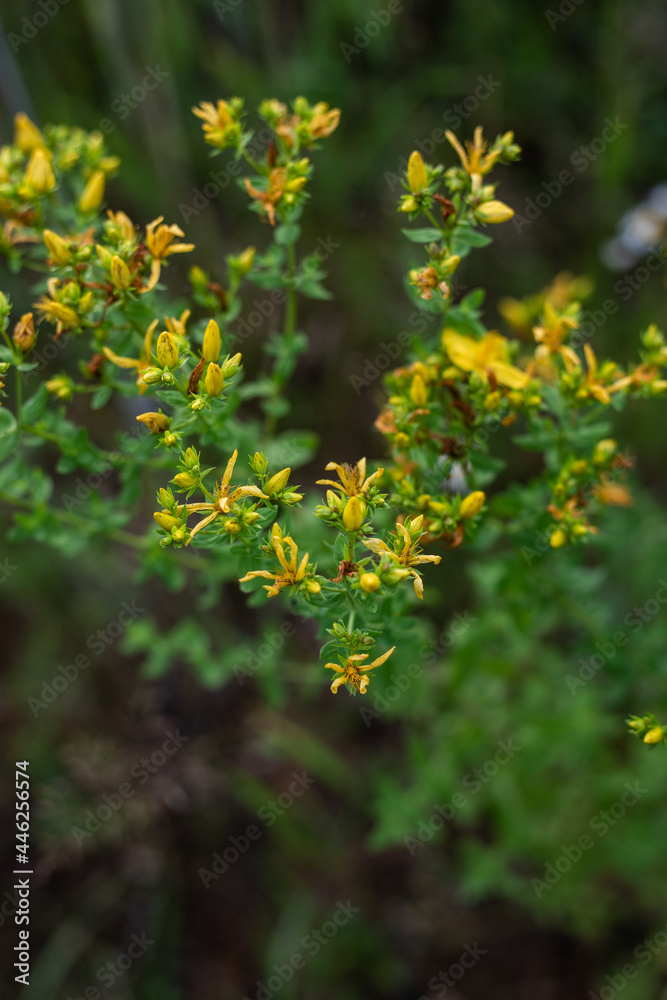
(350, 556)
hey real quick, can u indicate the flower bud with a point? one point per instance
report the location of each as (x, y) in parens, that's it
(471, 505)
(198, 279)
(166, 497)
(278, 482)
(191, 459)
(655, 735)
(604, 450)
(60, 386)
(353, 514)
(558, 538)
(313, 586)
(151, 376)
(155, 422)
(214, 381)
(93, 193)
(408, 204)
(369, 582)
(450, 264)
(417, 178)
(334, 502)
(494, 211)
(415, 524)
(250, 516)
(276, 535)
(231, 526)
(26, 134)
(120, 273)
(57, 247)
(24, 332)
(291, 497)
(259, 463)
(230, 366)
(167, 351)
(212, 342)
(418, 391)
(39, 172)
(246, 260)
(185, 480)
(166, 520)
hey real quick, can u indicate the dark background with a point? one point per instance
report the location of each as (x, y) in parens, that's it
(555, 84)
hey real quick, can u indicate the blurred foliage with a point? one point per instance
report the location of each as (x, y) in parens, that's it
(503, 678)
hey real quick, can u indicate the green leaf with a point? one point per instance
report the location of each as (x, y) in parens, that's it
(465, 238)
(312, 288)
(34, 407)
(101, 397)
(287, 235)
(426, 235)
(9, 433)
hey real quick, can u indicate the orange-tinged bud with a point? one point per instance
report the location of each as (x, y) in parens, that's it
(369, 582)
(278, 482)
(417, 178)
(26, 134)
(93, 193)
(471, 505)
(166, 520)
(39, 172)
(212, 342)
(120, 273)
(155, 422)
(494, 211)
(24, 332)
(353, 514)
(57, 247)
(166, 350)
(214, 380)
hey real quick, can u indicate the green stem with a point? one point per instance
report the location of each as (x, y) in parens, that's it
(257, 167)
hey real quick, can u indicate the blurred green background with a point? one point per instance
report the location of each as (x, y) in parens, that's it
(555, 76)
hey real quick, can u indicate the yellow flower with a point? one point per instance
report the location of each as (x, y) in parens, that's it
(406, 554)
(593, 385)
(57, 312)
(93, 193)
(417, 178)
(485, 356)
(176, 327)
(474, 158)
(292, 571)
(224, 498)
(324, 121)
(39, 172)
(353, 479)
(160, 243)
(220, 128)
(552, 333)
(120, 225)
(26, 134)
(494, 211)
(354, 675)
(471, 505)
(140, 363)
